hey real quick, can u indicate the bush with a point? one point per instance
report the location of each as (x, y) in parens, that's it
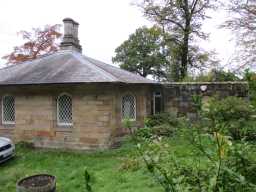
(250, 77)
(164, 125)
(163, 130)
(162, 118)
(216, 165)
(241, 160)
(145, 132)
(234, 116)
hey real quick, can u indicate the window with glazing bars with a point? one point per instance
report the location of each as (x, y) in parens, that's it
(128, 107)
(64, 110)
(8, 110)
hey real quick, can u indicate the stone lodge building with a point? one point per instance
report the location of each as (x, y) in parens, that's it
(68, 100)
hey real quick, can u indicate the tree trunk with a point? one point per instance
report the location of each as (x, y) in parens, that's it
(184, 57)
(184, 49)
(184, 54)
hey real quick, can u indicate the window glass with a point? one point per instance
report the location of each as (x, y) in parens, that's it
(8, 110)
(64, 110)
(128, 107)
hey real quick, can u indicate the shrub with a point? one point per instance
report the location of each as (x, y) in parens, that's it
(217, 165)
(241, 160)
(233, 115)
(164, 125)
(145, 132)
(230, 108)
(164, 130)
(162, 118)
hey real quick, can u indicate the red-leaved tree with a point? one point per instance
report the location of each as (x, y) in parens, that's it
(38, 42)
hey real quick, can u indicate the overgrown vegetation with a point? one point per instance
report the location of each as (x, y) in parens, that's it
(250, 77)
(213, 76)
(233, 117)
(165, 125)
(222, 161)
(191, 157)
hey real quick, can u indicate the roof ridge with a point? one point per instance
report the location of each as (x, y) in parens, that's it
(94, 62)
(115, 67)
(93, 65)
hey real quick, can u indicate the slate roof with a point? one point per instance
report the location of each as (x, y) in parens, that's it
(67, 67)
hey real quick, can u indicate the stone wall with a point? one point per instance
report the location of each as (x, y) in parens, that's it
(96, 113)
(178, 96)
(143, 96)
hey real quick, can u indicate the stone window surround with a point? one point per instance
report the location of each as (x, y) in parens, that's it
(7, 123)
(135, 105)
(61, 124)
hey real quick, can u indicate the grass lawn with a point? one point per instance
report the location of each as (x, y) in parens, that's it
(68, 167)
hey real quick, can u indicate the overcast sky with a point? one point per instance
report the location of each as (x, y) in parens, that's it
(104, 25)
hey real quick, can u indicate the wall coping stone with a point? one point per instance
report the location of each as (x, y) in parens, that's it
(205, 83)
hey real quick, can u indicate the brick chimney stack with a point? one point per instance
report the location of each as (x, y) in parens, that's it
(70, 40)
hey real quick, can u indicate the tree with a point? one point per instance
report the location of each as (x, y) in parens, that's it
(144, 53)
(38, 42)
(182, 19)
(215, 75)
(242, 22)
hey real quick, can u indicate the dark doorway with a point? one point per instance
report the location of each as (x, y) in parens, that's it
(157, 102)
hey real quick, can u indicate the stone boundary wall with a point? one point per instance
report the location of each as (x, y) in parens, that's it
(177, 97)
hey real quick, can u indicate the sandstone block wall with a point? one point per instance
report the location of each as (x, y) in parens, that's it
(178, 96)
(96, 113)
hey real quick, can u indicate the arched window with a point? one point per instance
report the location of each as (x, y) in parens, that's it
(8, 110)
(128, 107)
(64, 110)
